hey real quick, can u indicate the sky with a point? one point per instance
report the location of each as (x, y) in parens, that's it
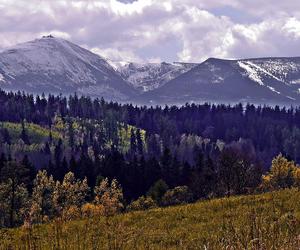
(159, 30)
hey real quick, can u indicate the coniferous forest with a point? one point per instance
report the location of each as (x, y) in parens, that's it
(58, 153)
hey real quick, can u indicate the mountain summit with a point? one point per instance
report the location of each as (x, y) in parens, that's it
(54, 65)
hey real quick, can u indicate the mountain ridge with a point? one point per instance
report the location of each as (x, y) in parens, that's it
(261, 81)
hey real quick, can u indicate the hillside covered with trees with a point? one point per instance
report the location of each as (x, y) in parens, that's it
(75, 157)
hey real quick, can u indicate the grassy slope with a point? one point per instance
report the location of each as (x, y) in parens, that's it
(268, 221)
(38, 134)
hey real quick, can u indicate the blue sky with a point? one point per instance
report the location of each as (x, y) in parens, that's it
(159, 30)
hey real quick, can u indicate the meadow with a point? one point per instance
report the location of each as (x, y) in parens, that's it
(262, 221)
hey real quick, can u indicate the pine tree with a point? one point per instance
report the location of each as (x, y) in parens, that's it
(5, 136)
(139, 142)
(157, 191)
(47, 149)
(133, 146)
(13, 203)
(31, 171)
(14, 178)
(166, 164)
(24, 135)
(71, 134)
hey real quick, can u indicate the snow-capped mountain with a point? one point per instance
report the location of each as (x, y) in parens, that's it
(149, 76)
(265, 80)
(54, 65)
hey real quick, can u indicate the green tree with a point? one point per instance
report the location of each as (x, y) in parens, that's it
(14, 178)
(13, 203)
(133, 146)
(139, 142)
(24, 135)
(157, 191)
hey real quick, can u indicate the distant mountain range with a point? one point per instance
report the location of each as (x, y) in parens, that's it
(54, 65)
(150, 76)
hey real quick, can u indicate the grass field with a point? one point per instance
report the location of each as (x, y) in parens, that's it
(36, 133)
(267, 221)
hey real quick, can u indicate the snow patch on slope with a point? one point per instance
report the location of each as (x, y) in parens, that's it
(2, 78)
(295, 81)
(274, 90)
(279, 67)
(264, 71)
(257, 74)
(252, 73)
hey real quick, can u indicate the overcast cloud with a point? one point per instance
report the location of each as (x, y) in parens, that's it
(159, 30)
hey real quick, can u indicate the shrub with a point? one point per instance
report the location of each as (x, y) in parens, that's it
(157, 191)
(142, 203)
(176, 196)
(92, 210)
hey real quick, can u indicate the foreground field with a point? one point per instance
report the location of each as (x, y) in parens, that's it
(268, 221)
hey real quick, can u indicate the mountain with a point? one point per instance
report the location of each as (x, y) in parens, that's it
(261, 81)
(54, 65)
(149, 76)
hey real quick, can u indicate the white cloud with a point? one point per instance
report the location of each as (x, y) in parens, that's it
(292, 26)
(117, 55)
(151, 30)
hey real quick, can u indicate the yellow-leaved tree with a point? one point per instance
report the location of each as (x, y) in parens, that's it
(283, 174)
(70, 195)
(42, 206)
(110, 196)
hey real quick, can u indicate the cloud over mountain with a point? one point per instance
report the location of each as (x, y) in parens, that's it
(167, 30)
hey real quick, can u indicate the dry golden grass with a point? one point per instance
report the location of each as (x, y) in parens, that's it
(267, 221)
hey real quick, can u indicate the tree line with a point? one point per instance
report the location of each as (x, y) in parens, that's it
(271, 130)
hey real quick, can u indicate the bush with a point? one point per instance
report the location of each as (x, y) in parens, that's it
(157, 191)
(142, 203)
(176, 196)
(92, 210)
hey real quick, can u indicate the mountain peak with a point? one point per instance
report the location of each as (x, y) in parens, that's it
(54, 65)
(49, 36)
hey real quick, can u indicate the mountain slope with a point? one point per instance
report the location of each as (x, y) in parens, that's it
(266, 80)
(54, 65)
(149, 76)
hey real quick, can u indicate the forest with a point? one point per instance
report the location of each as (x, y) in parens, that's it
(67, 156)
